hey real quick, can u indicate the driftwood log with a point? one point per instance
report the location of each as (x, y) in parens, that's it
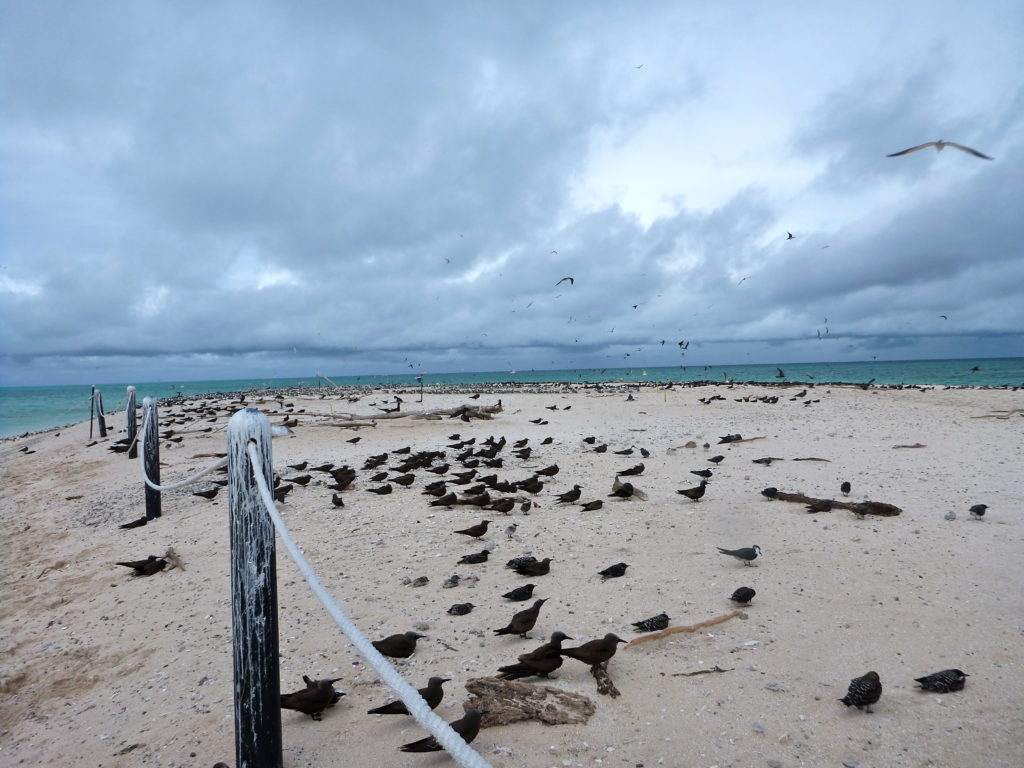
(690, 628)
(873, 507)
(509, 701)
(465, 412)
(605, 686)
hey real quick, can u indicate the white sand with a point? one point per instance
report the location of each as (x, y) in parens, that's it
(95, 661)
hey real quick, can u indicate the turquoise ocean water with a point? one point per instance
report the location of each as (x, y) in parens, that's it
(32, 409)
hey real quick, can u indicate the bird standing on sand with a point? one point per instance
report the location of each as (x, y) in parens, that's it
(592, 506)
(461, 609)
(943, 682)
(398, 646)
(694, 493)
(540, 661)
(337, 500)
(312, 700)
(845, 488)
(637, 469)
(523, 621)
(863, 692)
(978, 511)
(596, 651)
(147, 567)
(743, 595)
(939, 146)
(519, 594)
(207, 494)
(476, 531)
(476, 558)
(535, 568)
(432, 694)
(746, 554)
(653, 624)
(613, 571)
(467, 726)
(569, 496)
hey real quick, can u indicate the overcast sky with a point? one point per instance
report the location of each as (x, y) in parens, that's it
(195, 190)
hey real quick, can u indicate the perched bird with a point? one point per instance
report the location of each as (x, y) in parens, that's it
(603, 448)
(515, 562)
(476, 531)
(569, 496)
(300, 466)
(299, 479)
(863, 692)
(447, 500)
(743, 595)
(590, 440)
(383, 490)
(523, 621)
(694, 493)
(746, 554)
(823, 505)
(860, 509)
(467, 726)
(281, 491)
(637, 469)
(613, 571)
(943, 682)
(845, 488)
(461, 609)
(653, 624)
(939, 146)
(622, 490)
(475, 558)
(770, 492)
(519, 594)
(705, 473)
(536, 568)
(432, 694)
(312, 700)
(540, 661)
(626, 452)
(398, 646)
(354, 440)
(404, 480)
(596, 651)
(207, 494)
(592, 506)
(511, 530)
(716, 459)
(503, 505)
(978, 511)
(548, 471)
(147, 567)
(337, 501)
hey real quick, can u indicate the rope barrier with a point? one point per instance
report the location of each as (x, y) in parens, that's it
(456, 746)
(170, 487)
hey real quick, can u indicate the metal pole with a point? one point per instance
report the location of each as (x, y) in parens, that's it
(100, 421)
(151, 455)
(253, 598)
(131, 424)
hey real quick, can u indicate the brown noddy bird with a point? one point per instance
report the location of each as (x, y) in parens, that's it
(536, 568)
(398, 646)
(476, 531)
(613, 571)
(623, 491)
(207, 494)
(467, 726)
(300, 479)
(569, 497)
(403, 480)
(541, 661)
(548, 471)
(147, 567)
(300, 466)
(523, 621)
(519, 594)
(637, 469)
(694, 493)
(432, 694)
(845, 488)
(384, 490)
(475, 558)
(312, 700)
(504, 506)
(596, 651)
(445, 501)
(591, 506)
(337, 501)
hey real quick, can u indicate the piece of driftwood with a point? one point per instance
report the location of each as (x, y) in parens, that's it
(715, 668)
(509, 701)
(873, 507)
(915, 445)
(690, 628)
(346, 424)
(466, 412)
(605, 686)
(1000, 414)
(812, 458)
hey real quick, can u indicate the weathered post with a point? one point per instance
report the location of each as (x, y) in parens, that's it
(253, 597)
(100, 421)
(92, 410)
(151, 455)
(131, 424)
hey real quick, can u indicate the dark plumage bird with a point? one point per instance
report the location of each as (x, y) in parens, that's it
(322, 468)
(540, 661)
(845, 488)
(299, 480)
(781, 374)
(653, 624)
(705, 473)
(475, 499)
(439, 469)
(445, 501)
(716, 459)
(300, 466)
(596, 651)
(378, 477)
(519, 594)
(281, 491)
(569, 496)
(978, 511)
(337, 501)
(403, 480)
(863, 692)
(613, 571)
(743, 595)
(312, 700)
(398, 646)
(694, 493)
(531, 485)
(461, 609)
(147, 567)
(432, 694)
(590, 440)
(476, 558)
(592, 506)
(822, 505)
(624, 491)
(770, 492)
(746, 554)
(207, 494)
(571, 281)
(354, 440)
(939, 146)
(476, 531)
(637, 469)
(603, 448)
(548, 471)
(383, 490)
(536, 568)
(523, 621)
(135, 523)
(467, 726)
(943, 682)
(515, 562)
(627, 452)
(503, 505)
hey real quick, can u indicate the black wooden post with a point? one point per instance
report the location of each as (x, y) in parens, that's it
(131, 424)
(253, 597)
(151, 455)
(92, 410)
(100, 421)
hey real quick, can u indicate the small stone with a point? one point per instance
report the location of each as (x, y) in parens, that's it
(420, 581)
(850, 764)
(774, 686)
(774, 764)
(758, 727)
(422, 626)
(951, 515)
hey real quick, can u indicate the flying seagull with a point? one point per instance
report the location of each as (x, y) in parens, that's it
(791, 236)
(571, 281)
(939, 146)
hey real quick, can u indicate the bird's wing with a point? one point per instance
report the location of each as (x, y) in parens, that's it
(974, 152)
(914, 149)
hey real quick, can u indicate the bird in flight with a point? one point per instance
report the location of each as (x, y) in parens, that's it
(939, 146)
(554, 252)
(744, 279)
(944, 317)
(571, 281)
(790, 236)
(640, 66)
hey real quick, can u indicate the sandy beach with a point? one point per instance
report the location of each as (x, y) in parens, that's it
(103, 669)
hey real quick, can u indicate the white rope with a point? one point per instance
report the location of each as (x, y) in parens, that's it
(142, 465)
(456, 746)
